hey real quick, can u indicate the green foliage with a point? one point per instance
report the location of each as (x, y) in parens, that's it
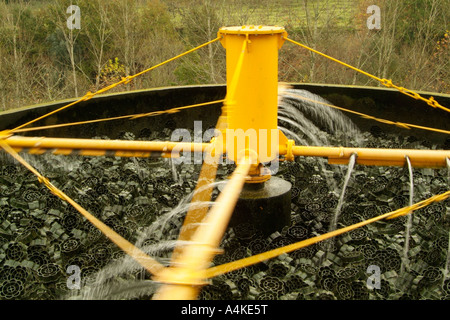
(200, 23)
(112, 72)
(415, 16)
(123, 37)
(192, 71)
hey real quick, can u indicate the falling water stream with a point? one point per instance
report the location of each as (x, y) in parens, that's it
(314, 118)
(175, 175)
(337, 212)
(183, 206)
(405, 260)
(305, 118)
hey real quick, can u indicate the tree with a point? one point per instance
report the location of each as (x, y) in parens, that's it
(41, 59)
(143, 36)
(423, 64)
(67, 37)
(21, 38)
(98, 31)
(199, 24)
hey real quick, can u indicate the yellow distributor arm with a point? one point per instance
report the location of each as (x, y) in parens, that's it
(203, 189)
(373, 156)
(91, 147)
(181, 280)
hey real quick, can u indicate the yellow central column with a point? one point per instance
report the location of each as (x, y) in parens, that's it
(251, 105)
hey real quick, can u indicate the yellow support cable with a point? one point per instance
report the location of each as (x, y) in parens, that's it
(243, 263)
(151, 265)
(386, 82)
(131, 117)
(365, 116)
(124, 80)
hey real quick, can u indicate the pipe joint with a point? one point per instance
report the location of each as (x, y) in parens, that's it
(5, 134)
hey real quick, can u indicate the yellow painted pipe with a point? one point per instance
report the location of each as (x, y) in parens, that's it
(99, 147)
(375, 156)
(335, 155)
(181, 281)
(252, 87)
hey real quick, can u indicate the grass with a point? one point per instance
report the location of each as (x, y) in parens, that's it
(298, 13)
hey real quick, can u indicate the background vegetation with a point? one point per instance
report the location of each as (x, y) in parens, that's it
(42, 60)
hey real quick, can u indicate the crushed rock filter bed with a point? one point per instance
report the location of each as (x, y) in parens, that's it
(41, 236)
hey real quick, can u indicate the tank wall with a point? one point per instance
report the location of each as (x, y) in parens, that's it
(378, 102)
